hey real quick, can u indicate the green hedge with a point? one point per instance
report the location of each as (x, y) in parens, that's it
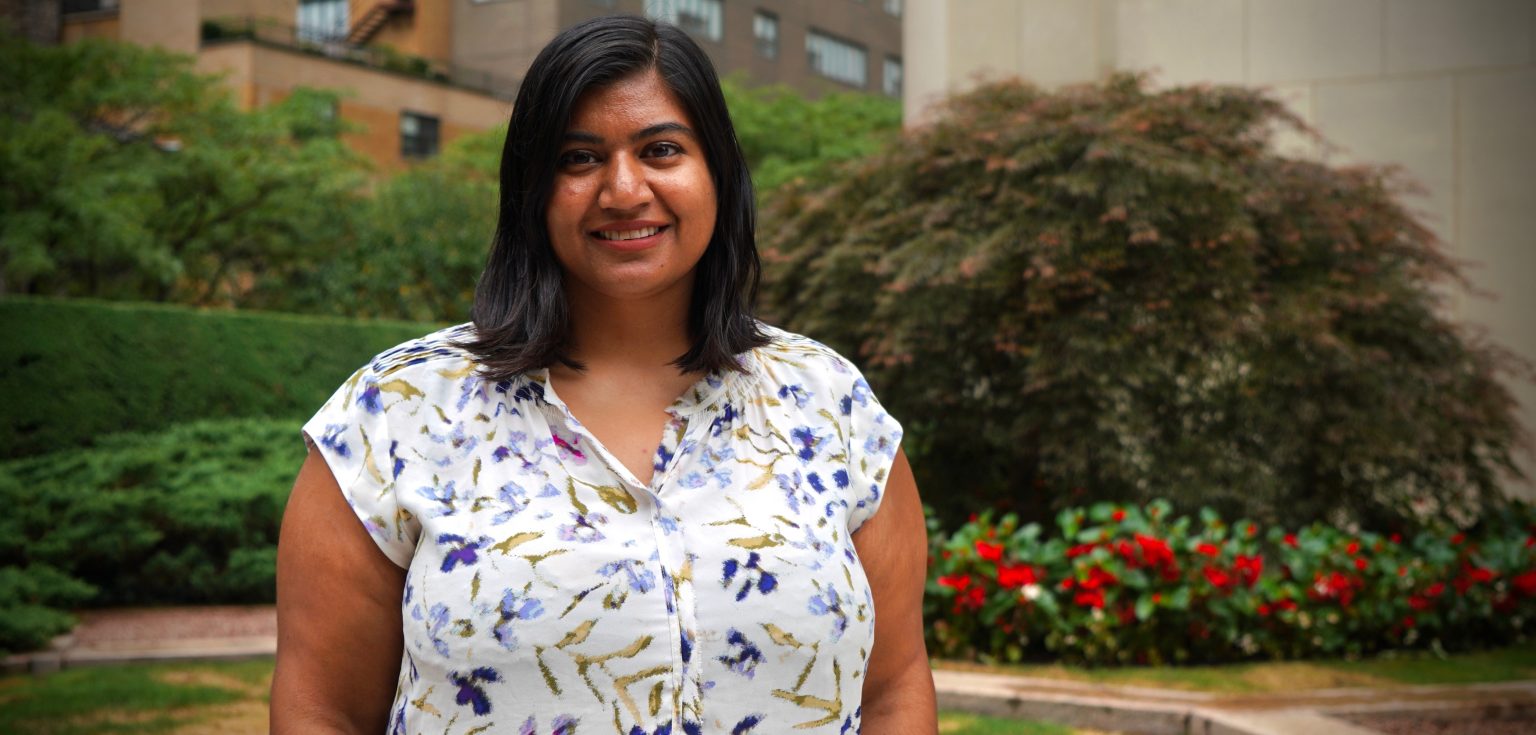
(189, 515)
(73, 371)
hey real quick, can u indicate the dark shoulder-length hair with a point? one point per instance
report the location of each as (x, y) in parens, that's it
(521, 317)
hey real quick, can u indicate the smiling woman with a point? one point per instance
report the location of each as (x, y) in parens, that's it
(615, 502)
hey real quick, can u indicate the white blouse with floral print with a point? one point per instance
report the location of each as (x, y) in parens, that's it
(549, 591)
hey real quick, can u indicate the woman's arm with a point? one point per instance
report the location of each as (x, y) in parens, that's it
(893, 547)
(338, 615)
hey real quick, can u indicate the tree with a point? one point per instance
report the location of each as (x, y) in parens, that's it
(123, 174)
(1109, 293)
(786, 136)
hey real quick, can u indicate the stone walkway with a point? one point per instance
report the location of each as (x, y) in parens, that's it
(224, 633)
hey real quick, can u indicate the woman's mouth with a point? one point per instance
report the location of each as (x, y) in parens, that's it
(622, 235)
(627, 237)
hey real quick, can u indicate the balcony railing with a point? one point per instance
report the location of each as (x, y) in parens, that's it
(268, 32)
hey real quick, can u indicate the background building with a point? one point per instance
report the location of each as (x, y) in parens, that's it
(1444, 88)
(421, 72)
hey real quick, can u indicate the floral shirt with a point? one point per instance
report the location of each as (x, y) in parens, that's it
(549, 591)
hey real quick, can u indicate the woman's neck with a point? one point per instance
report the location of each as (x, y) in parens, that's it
(608, 333)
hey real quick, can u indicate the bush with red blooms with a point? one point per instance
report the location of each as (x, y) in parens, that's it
(1139, 585)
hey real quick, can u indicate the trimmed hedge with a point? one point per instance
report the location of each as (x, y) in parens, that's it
(187, 516)
(73, 371)
(1119, 584)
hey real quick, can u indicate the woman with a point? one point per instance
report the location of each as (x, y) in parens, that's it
(529, 559)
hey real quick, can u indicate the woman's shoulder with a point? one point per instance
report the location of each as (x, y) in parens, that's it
(438, 353)
(793, 357)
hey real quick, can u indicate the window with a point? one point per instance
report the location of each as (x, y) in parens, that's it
(891, 79)
(893, 7)
(701, 18)
(765, 27)
(837, 59)
(418, 135)
(322, 20)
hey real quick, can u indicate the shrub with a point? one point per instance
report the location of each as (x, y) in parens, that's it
(73, 371)
(190, 515)
(1110, 293)
(1137, 585)
(29, 601)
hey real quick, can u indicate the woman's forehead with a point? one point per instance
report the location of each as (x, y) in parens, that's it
(635, 102)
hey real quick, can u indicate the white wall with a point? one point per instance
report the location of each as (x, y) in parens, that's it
(1445, 89)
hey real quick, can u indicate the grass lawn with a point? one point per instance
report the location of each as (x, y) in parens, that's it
(1400, 669)
(230, 699)
(185, 699)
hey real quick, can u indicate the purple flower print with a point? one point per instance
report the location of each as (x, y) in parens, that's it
(744, 656)
(514, 606)
(464, 552)
(752, 576)
(470, 691)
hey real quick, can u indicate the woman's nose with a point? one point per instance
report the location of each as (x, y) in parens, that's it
(624, 185)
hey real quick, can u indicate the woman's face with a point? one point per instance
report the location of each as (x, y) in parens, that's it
(633, 205)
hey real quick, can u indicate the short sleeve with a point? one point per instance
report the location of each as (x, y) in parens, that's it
(351, 432)
(873, 438)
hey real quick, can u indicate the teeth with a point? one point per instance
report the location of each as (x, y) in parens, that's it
(628, 234)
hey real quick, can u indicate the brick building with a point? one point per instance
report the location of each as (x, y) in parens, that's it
(419, 73)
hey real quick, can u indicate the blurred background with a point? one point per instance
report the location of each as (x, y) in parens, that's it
(1210, 321)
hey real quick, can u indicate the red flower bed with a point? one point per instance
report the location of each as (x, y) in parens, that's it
(1118, 584)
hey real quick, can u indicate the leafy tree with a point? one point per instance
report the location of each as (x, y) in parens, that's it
(420, 243)
(123, 174)
(786, 136)
(1109, 293)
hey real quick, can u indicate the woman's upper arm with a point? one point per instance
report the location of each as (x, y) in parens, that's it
(339, 634)
(893, 549)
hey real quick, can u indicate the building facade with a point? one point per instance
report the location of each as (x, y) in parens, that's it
(418, 73)
(1446, 89)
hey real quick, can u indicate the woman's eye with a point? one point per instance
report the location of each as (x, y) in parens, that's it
(577, 158)
(663, 150)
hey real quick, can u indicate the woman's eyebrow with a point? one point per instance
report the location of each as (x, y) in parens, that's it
(582, 136)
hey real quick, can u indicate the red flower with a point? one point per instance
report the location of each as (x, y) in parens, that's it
(1263, 610)
(1253, 530)
(1402, 571)
(1286, 604)
(1408, 621)
(1126, 552)
(1249, 568)
(1154, 551)
(1530, 541)
(1218, 578)
(1397, 538)
(1079, 550)
(1118, 515)
(1418, 602)
(1361, 563)
(1525, 583)
(973, 598)
(1208, 549)
(1479, 574)
(1157, 598)
(1435, 590)
(945, 553)
(1067, 583)
(955, 581)
(1458, 538)
(1090, 598)
(1099, 578)
(1290, 540)
(1015, 575)
(989, 552)
(1353, 548)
